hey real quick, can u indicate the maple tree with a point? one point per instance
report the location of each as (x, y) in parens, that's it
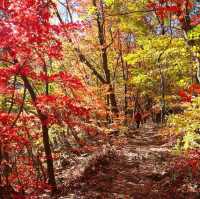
(29, 43)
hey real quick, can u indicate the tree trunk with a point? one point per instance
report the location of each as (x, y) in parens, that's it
(49, 159)
(46, 143)
(83, 59)
(125, 78)
(162, 90)
(101, 37)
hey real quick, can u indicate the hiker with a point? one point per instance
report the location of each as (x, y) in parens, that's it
(138, 118)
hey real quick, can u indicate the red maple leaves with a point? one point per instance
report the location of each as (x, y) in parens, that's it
(29, 41)
(186, 96)
(183, 9)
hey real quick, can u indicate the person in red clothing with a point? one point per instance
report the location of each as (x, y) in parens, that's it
(138, 118)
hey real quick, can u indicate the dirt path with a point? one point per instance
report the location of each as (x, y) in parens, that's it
(134, 175)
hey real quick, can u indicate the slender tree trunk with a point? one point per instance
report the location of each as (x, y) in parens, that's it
(113, 101)
(162, 80)
(83, 59)
(101, 37)
(49, 159)
(100, 25)
(162, 91)
(125, 78)
(46, 142)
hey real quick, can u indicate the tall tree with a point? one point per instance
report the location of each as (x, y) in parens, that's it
(29, 43)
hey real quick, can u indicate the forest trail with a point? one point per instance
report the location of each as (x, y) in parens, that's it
(135, 175)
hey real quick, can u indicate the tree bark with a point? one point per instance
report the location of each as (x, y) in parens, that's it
(83, 59)
(101, 37)
(45, 135)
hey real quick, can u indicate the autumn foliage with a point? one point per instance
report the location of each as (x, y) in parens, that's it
(29, 43)
(186, 11)
(76, 78)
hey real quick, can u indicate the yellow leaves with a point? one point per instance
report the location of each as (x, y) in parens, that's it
(189, 140)
(194, 34)
(153, 52)
(186, 124)
(182, 83)
(133, 22)
(109, 2)
(92, 10)
(195, 48)
(140, 79)
(150, 48)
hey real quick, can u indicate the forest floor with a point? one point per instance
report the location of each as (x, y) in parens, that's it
(140, 171)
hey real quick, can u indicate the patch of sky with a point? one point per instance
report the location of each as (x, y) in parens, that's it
(64, 13)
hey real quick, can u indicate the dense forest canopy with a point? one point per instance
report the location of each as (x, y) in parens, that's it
(76, 74)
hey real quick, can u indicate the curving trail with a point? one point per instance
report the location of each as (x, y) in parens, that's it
(141, 172)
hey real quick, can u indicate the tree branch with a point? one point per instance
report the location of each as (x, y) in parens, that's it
(81, 56)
